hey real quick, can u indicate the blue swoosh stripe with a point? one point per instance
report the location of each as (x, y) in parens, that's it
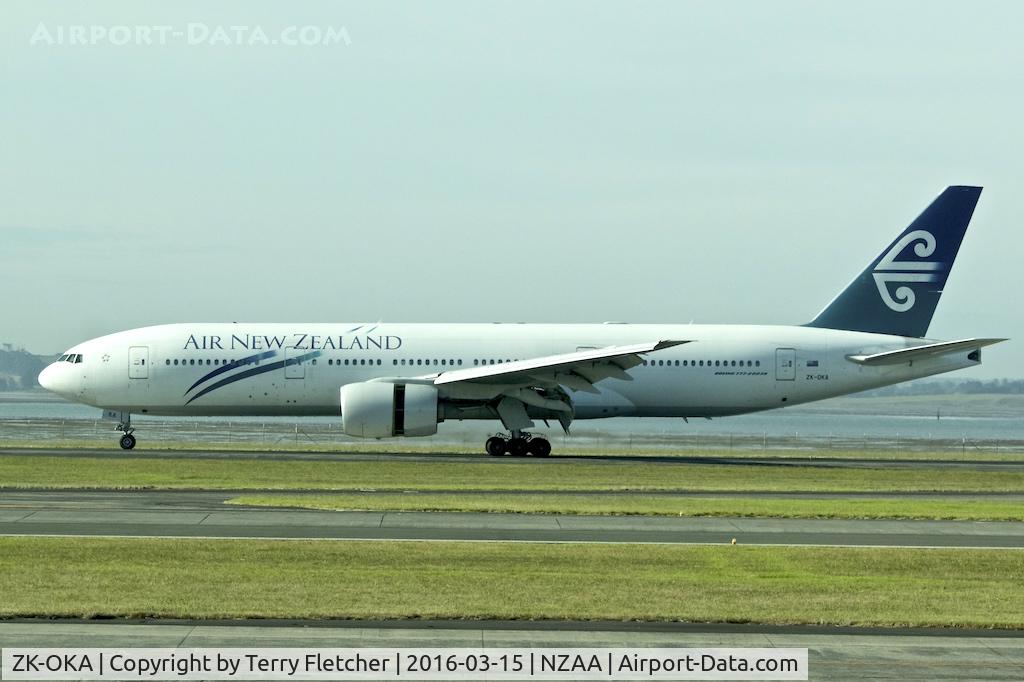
(254, 372)
(232, 365)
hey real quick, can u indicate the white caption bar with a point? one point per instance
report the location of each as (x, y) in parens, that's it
(413, 664)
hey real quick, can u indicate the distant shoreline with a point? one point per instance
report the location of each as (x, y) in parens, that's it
(1004, 405)
(35, 395)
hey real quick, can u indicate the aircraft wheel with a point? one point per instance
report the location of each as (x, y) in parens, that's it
(495, 446)
(127, 441)
(517, 447)
(540, 447)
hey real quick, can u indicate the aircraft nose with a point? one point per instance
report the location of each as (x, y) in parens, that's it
(46, 378)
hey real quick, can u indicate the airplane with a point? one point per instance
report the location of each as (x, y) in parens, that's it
(386, 380)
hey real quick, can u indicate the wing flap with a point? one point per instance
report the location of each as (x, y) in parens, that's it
(583, 367)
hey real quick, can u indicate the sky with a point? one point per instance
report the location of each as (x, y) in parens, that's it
(728, 162)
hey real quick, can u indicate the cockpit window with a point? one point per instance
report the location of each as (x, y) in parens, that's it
(78, 358)
(62, 358)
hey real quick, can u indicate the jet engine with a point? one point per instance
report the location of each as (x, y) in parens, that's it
(375, 409)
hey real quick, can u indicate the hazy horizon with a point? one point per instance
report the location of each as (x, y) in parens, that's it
(557, 162)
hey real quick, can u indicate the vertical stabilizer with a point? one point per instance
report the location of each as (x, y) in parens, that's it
(899, 290)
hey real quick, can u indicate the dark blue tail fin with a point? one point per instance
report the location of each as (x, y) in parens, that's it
(898, 292)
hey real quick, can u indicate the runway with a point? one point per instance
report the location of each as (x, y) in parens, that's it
(204, 514)
(833, 653)
(752, 460)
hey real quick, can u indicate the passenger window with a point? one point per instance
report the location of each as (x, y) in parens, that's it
(460, 363)
(346, 361)
(757, 363)
(701, 363)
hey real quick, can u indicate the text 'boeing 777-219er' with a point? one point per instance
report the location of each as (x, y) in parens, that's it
(385, 380)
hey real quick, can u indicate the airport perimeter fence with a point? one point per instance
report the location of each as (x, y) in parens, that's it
(325, 435)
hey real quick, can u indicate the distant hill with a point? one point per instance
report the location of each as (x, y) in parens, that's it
(19, 368)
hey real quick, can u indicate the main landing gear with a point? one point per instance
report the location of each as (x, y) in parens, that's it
(519, 444)
(127, 440)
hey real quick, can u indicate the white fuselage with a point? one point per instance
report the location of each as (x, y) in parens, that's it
(298, 369)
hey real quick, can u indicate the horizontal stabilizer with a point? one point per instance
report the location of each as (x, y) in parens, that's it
(898, 357)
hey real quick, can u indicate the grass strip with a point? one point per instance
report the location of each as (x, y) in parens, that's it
(968, 509)
(486, 474)
(782, 447)
(91, 577)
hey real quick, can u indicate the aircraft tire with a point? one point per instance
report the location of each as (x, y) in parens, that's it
(127, 441)
(517, 447)
(495, 446)
(540, 447)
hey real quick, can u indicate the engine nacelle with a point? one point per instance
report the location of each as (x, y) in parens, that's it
(375, 409)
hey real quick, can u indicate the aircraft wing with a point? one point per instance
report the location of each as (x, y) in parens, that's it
(898, 357)
(579, 370)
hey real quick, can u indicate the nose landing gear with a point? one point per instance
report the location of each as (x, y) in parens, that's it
(519, 444)
(125, 425)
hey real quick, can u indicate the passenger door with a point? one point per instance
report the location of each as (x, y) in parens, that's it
(293, 370)
(785, 364)
(138, 362)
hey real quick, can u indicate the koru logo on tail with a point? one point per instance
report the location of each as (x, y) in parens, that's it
(889, 270)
